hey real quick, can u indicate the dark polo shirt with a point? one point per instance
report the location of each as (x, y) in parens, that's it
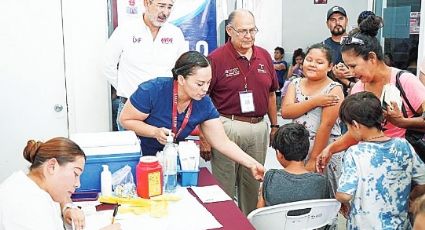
(336, 50)
(228, 79)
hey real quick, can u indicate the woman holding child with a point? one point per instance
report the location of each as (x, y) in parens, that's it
(363, 54)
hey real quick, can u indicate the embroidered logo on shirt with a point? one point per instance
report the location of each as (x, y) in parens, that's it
(136, 40)
(231, 72)
(167, 40)
(260, 68)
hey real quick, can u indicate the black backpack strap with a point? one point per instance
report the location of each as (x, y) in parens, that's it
(403, 94)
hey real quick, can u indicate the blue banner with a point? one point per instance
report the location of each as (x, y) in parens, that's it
(199, 25)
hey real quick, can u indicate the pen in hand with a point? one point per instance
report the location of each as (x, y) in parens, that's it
(73, 227)
(115, 213)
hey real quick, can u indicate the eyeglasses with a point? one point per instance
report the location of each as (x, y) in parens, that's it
(162, 6)
(346, 40)
(243, 33)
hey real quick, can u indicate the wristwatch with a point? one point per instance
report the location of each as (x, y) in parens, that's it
(274, 126)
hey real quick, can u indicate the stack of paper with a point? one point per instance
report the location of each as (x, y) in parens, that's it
(210, 194)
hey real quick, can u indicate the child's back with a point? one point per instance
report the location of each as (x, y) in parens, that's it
(295, 182)
(378, 175)
(280, 187)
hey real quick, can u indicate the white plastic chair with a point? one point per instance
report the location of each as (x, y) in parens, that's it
(323, 212)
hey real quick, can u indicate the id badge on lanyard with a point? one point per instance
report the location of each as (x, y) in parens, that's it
(246, 99)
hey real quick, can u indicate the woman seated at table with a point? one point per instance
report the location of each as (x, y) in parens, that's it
(180, 104)
(31, 201)
(362, 53)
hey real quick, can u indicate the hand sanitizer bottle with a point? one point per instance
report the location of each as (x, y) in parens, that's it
(106, 181)
(170, 169)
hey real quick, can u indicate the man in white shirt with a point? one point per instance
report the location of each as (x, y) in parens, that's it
(143, 49)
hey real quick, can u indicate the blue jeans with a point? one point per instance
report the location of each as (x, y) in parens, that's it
(115, 105)
(120, 106)
(278, 100)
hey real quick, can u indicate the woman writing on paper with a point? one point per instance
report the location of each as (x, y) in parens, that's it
(363, 54)
(180, 104)
(31, 201)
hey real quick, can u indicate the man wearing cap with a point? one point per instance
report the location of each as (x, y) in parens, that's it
(337, 21)
(142, 49)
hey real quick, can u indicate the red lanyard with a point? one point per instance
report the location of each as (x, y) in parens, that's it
(174, 115)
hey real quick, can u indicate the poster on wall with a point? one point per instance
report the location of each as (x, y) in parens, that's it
(196, 19)
(415, 18)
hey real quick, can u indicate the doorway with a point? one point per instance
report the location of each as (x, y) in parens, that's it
(34, 104)
(400, 35)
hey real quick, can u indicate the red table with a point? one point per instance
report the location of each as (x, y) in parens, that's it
(226, 212)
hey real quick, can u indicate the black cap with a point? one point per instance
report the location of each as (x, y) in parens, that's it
(336, 9)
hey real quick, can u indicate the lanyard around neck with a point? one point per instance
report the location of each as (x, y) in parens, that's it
(250, 67)
(174, 113)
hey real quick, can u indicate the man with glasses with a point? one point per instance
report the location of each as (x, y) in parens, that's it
(243, 89)
(337, 22)
(142, 49)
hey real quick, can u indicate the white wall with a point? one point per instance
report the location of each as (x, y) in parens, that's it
(268, 18)
(267, 13)
(304, 23)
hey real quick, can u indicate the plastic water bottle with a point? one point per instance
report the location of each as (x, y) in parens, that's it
(106, 181)
(170, 166)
